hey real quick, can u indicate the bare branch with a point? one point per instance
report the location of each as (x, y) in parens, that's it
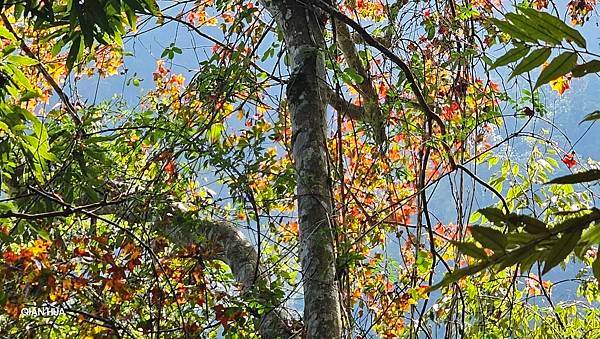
(341, 105)
(486, 185)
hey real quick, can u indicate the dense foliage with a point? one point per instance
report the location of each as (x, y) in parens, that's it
(141, 213)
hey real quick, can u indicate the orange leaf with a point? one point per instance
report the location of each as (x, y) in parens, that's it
(170, 167)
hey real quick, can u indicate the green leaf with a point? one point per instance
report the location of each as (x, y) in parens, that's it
(6, 34)
(21, 60)
(578, 223)
(512, 55)
(525, 24)
(152, 7)
(470, 249)
(522, 238)
(586, 68)
(7, 206)
(42, 233)
(576, 178)
(514, 31)
(531, 225)
(459, 273)
(57, 47)
(532, 61)
(214, 133)
(19, 77)
(527, 261)
(559, 66)
(515, 256)
(554, 25)
(353, 75)
(26, 114)
(591, 235)
(131, 18)
(561, 249)
(135, 5)
(490, 238)
(73, 53)
(29, 94)
(595, 115)
(39, 144)
(496, 216)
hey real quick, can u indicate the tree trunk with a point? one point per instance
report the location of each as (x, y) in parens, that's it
(304, 39)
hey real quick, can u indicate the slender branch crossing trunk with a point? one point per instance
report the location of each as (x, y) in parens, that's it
(305, 43)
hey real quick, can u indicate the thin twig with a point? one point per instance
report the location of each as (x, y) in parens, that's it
(486, 185)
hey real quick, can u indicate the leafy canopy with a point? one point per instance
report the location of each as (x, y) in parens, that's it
(109, 206)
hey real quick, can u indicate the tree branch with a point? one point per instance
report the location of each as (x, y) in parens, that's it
(341, 105)
(371, 41)
(410, 77)
(223, 241)
(372, 113)
(486, 185)
(227, 243)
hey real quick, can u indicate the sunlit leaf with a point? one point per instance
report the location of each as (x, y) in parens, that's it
(6, 34)
(559, 66)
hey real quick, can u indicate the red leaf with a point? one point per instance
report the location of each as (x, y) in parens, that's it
(569, 159)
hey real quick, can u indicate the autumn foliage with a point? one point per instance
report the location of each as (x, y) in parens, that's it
(448, 225)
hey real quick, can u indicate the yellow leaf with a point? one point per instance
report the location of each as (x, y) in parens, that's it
(560, 84)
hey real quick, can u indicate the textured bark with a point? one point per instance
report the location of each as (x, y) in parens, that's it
(304, 39)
